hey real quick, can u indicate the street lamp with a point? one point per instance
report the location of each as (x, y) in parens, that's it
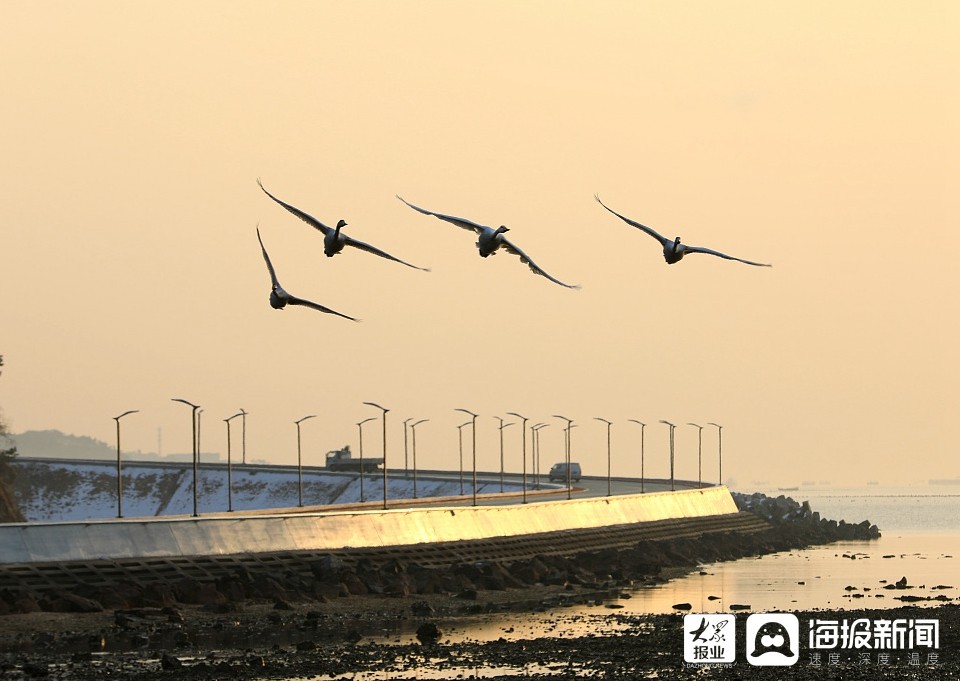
(719, 451)
(567, 449)
(502, 426)
(535, 452)
(699, 453)
(642, 428)
(473, 430)
(230, 463)
(193, 422)
(243, 413)
(199, 447)
(384, 410)
(523, 427)
(609, 484)
(119, 475)
(406, 469)
(672, 487)
(360, 428)
(413, 429)
(300, 461)
(460, 440)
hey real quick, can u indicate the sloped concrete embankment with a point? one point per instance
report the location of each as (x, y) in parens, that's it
(602, 557)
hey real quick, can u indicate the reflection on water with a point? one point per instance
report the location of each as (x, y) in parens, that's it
(462, 672)
(811, 579)
(818, 578)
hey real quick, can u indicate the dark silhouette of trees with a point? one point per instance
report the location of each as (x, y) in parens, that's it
(9, 511)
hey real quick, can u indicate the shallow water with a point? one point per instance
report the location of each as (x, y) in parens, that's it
(921, 541)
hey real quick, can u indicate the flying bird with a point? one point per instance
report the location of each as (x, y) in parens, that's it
(673, 250)
(333, 238)
(279, 298)
(489, 240)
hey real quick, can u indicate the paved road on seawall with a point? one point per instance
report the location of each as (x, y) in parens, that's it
(538, 489)
(86, 489)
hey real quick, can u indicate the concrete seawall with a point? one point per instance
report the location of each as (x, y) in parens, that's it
(237, 534)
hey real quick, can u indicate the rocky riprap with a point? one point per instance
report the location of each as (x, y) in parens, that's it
(784, 512)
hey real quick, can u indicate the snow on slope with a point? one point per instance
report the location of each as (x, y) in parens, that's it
(50, 489)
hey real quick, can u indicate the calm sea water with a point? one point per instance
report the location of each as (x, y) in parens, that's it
(921, 541)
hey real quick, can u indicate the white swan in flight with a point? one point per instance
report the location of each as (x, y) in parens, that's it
(279, 298)
(489, 240)
(673, 250)
(333, 238)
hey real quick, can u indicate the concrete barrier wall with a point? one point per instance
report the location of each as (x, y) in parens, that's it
(239, 534)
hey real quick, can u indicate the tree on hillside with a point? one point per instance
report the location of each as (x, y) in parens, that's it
(9, 512)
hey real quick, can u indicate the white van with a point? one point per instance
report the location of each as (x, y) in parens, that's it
(559, 472)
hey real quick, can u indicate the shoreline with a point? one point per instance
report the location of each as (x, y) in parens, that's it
(263, 643)
(338, 618)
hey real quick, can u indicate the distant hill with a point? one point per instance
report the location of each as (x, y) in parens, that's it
(53, 443)
(57, 445)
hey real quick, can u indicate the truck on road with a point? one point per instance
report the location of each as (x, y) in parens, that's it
(342, 460)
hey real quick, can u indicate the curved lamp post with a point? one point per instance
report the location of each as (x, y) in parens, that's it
(299, 461)
(384, 410)
(230, 463)
(699, 452)
(502, 426)
(474, 432)
(523, 427)
(193, 421)
(199, 448)
(243, 420)
(360, 428)
(535, 452)
(642, 428)
(119, 474)
(406, 468)
(460, 439)
(413, 429)
(609, 479)
(719, 451)
(567, 450)
(672, 427)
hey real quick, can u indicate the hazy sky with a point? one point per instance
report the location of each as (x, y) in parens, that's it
(819, 136)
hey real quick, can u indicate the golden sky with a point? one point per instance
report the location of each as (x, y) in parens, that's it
(819, 136)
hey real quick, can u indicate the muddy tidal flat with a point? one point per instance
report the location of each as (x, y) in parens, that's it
(382, 638)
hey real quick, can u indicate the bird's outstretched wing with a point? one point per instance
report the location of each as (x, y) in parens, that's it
(700, 249)
(266, 258)
(376, 251)
(293, 300)
(649, 230)
(463, 223)
(534, 267)
(306, 217)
